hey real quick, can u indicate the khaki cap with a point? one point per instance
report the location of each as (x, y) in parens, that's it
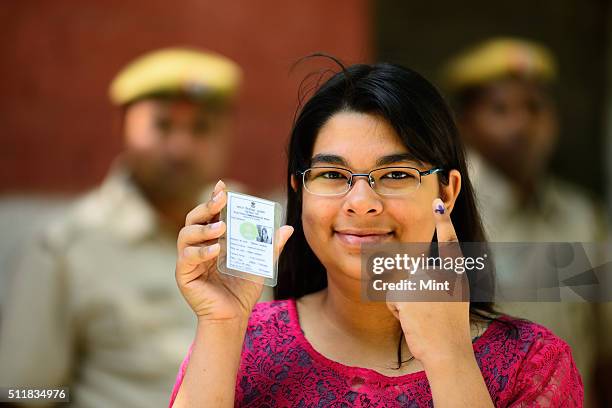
(182, 71)
(499, 58)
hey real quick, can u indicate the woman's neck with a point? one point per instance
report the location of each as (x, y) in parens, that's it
(367, 321)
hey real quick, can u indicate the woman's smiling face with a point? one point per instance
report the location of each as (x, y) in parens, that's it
(336, 226)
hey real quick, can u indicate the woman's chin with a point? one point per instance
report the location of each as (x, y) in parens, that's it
(351, 268)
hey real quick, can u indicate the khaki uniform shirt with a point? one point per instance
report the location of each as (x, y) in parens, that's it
(94, 304)
(559, 213)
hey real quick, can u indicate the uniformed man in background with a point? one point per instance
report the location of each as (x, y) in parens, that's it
(93, 303)
(501, 91)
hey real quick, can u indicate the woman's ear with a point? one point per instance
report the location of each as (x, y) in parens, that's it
(450, 192)
(293, 183)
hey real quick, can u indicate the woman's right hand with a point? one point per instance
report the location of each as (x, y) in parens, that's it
(213, 296)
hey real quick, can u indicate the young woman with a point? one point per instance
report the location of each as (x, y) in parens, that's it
(374, 157)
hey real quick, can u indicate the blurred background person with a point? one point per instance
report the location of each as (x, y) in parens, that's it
(93, 304)
(502, 91)
(502, 94)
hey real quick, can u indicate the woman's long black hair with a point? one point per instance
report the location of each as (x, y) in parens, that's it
(425, 125)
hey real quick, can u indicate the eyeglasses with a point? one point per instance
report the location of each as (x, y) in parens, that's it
(334, 181)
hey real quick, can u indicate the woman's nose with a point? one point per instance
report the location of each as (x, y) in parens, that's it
(362, 199)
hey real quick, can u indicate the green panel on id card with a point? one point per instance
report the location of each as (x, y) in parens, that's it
(248, 247)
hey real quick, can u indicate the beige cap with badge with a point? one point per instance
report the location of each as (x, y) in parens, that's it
(499, 58)
(186, 72)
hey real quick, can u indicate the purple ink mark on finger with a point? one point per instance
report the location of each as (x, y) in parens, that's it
(439, 209)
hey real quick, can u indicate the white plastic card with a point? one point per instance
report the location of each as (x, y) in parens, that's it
(248, 247)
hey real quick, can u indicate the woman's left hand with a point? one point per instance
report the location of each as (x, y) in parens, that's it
(439, 331)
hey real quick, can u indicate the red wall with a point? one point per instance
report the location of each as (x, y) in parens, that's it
(59, 132)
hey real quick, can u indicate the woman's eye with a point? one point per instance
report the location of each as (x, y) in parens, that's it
(332, 175)
(395, 175)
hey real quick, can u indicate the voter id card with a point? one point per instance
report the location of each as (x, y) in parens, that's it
(248, 247)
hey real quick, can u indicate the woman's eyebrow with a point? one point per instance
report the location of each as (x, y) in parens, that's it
(398, 157)
(382, 161)
(329, 159)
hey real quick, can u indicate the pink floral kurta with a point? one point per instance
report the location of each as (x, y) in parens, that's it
(528, 366)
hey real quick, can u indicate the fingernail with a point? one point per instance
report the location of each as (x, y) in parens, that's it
(213, 248)
(215, 189)
(215, 225)
(439, 207)
(218, 185)
(217, 196)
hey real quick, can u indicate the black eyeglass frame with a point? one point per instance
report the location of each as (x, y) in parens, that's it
(422, 173)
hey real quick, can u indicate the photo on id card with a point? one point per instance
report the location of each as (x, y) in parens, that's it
(248, 247)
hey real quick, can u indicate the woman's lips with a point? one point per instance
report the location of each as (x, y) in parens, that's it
(356, 238)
